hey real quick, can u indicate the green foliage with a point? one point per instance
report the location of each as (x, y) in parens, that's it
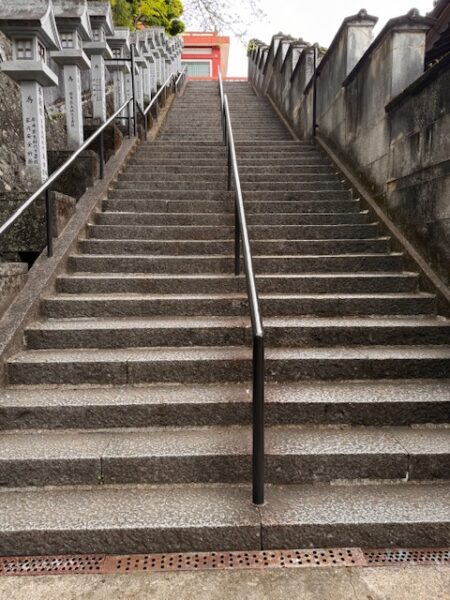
(165, 13)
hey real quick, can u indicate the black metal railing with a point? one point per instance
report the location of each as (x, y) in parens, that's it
(180, 81)
(44, 189)
(242, 235)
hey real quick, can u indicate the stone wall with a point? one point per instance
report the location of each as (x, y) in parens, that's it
(387, 119)
(12, 278)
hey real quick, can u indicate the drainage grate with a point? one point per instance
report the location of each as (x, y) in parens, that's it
(210, 561)
(413, 557)
(52, 565)
(204, 561)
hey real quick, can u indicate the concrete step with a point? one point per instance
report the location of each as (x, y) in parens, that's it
(197, 264)
(289, 219)
(294, 455)
(314, 212)
(226, 246)
(249, 196)
(130, 305)
(200, 364)
(372, 403)
(229, 331)
(150, 176)
(211, 517)
(358, 283)
(167, 185)
(142, 175)
(191, 226)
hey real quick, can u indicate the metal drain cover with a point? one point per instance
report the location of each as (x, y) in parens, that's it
(51, 565)
(201, 561)
(413, 557)
(208, 561)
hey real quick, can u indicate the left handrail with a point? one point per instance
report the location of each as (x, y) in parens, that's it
(55, 175)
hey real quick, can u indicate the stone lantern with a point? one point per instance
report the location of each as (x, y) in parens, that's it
(98, 50)
(145, 65)
(140, 68)
(74, 28)
(152, 58)
(120, 46)
(31, 26)
(159, 56)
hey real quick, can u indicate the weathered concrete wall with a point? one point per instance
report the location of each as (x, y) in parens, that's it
(382, 116)
(418, 185)
(12, 278)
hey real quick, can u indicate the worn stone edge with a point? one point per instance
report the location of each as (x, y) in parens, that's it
(429, 278)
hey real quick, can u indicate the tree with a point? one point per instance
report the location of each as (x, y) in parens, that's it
(165, 13)
(233, 16)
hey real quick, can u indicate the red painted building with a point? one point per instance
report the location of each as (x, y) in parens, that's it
(205, 54)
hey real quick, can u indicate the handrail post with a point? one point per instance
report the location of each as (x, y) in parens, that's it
(133, 91)
(314, 125)
(102, 155)
(237, 241)
(49, 222)
(258, 420)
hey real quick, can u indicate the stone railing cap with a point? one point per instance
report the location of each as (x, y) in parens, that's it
(411, 21)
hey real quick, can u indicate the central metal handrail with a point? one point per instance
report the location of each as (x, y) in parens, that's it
(241, 233)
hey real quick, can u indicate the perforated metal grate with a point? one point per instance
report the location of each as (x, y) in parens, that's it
(235, 560)
(51, 565)
(207, 561)
(416, 556)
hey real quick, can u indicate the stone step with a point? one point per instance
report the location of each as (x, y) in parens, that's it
(143, 176)
(226, 246)
(294, 455)
(185, 227)
(225, 264)
(373, 403)
(232, 331)
(288, 219)
(212, 517)
(361, 283)
(314, 212)
(94, 305)
(200, 364)
(194, 186)
(207, 195)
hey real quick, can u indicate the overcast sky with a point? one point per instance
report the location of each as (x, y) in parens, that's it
(315, 21)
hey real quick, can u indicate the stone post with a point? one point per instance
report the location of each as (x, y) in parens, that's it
(145, 66)
(98, 50)
(74, 27)
(30, 24)
(140, 65)
(120, 46)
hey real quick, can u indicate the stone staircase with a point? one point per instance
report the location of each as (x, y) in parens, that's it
(126, 417)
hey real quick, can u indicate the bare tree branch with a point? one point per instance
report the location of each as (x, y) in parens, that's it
(234, 16)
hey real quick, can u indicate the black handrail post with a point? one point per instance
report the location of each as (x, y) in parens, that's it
(145, 126)
(258, 420)
(133, 91)
(49, 222)
(315, 92)
(237, 241)
(102, 155)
